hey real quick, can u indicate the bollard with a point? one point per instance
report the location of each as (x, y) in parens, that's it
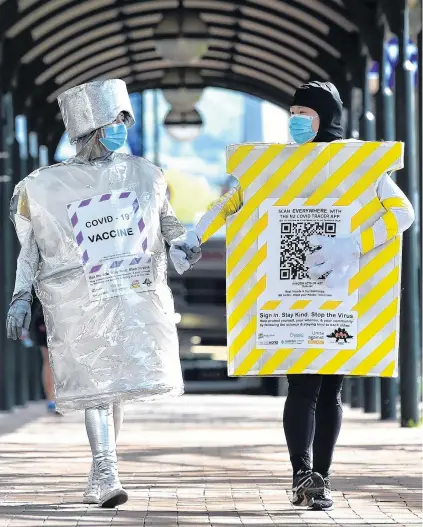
(388, 398)
(371, 386)
(35, 384)
(346, 391)
(357, 392)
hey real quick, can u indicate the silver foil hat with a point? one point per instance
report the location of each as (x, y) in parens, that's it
(90, 106)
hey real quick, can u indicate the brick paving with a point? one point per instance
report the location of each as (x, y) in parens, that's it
(204, 461)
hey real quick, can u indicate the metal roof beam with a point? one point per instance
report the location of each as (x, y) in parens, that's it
(49, 88)
(29, 72)
(232, 81)
(339, 37)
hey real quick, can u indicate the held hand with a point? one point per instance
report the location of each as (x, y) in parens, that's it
(190, 245)
(179, 260)
(18, 318)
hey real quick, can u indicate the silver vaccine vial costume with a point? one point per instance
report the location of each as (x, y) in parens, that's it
(93, 232)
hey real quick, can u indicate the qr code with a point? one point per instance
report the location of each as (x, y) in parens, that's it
(295, 246)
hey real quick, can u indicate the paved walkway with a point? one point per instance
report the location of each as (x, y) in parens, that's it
(203, 461)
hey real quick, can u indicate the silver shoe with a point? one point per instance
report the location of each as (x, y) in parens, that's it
(111, 492)
(92, 492)
(103, 447)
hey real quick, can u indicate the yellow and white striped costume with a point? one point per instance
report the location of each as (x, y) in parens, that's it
(397, 218)
(351, 172)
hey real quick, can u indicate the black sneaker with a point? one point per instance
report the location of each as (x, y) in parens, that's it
(306, 485)
(323, 500)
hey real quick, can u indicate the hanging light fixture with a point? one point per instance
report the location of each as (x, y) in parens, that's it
(181, 36)
(178, 93)
(183, 126)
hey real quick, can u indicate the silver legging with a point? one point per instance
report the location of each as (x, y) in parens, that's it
(98, 424)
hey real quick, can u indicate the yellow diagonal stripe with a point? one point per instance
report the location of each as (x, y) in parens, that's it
(389, 370)
(371, 175)
(378, 323)
(309, 174)
(271, 305)
(331, 304)
(242, 339)
(390, 203)
(246, 273)
(236, 255)
(259, 165)
(275, 361)
(267, 188)
(238, 157)
(300, 304)
(246, 303)
(305, 360)
(391, 224)
(375, 356)
(377, 292)
(380, 260)
(365, 335)
(365, 213)
(249, 362)
(367, 240)
(342, 173)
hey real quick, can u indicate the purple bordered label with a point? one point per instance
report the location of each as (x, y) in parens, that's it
(112, 236)
(108, 224)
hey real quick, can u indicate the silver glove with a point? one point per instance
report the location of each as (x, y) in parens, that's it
(190, 245)
(179, 260)
(18, 317)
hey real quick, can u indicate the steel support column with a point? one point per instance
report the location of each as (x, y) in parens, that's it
(385, 126)
(7, 262)
(7, 393)
(368, 133)
(142, 128)
(19, 149)
(420, 176)
(156, 129)
(35, 359)
(407, 180)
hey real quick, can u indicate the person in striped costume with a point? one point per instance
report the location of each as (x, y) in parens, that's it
(313, 410)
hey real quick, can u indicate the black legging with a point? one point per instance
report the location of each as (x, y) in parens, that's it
(312, 420)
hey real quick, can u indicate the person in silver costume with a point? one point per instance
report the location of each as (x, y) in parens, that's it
(102, 351)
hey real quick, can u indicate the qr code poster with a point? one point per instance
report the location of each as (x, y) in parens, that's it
(280, 321)
(287, 238)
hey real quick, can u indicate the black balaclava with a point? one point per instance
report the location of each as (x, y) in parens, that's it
(323, 98)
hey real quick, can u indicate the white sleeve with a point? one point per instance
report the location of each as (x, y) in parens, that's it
(215, 217)
(398, 216)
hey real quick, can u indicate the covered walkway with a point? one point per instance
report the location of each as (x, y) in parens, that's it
(204, 460)
(265, 48)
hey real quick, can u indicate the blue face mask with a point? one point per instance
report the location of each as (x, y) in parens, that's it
(114, 136)
(300, 128)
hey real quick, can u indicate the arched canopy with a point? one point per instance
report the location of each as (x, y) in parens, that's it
(262, 47)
